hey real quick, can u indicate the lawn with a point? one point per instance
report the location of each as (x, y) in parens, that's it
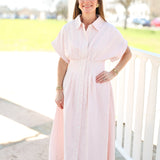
(28, 35)
(143, 39)
(36, 35)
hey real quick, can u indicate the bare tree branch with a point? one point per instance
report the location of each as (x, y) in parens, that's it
(125, 4)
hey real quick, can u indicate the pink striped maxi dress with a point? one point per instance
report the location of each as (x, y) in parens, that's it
(85, 128)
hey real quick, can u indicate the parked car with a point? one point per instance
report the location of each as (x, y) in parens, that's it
(156, 22)
(23, 17)
(51, 16)
(141, 21)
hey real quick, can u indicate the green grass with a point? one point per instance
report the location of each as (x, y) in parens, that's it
(143, 39)
(28, 35)
(36, 35)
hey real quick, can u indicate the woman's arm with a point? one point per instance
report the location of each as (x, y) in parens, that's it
(123, 61)
(62, 68)
(107, 76)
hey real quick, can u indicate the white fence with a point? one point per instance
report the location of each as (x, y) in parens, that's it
(136, 91)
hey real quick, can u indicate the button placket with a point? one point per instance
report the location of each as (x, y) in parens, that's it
(82, 95)
(86, 65)
(82, 92)
(79, 112)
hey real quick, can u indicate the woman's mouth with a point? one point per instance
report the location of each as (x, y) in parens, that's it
(87, 6)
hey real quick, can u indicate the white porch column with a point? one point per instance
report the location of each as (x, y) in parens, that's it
(71, 4)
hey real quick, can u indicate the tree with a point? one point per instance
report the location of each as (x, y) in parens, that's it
(126, 4)
(62, 8)
(48, 4)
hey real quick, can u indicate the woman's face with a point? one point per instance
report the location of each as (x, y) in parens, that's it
(88, 6)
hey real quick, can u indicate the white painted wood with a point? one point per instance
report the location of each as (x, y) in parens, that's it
(158, 145)
(122, 152)
(120, 107)
(129, 107)
(150, 114)
(109, 66)
(71, 4)
(114, 84)
(115, 89)
(139, 111)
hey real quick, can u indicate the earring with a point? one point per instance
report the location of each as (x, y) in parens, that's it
(97, 5)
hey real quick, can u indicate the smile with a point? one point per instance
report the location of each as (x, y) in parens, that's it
(87, 6)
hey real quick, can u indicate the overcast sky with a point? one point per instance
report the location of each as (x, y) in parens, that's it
(39, 4)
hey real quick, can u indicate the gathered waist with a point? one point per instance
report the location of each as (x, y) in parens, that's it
(86, 66)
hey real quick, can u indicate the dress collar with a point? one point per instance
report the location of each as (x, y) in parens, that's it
(97, 23)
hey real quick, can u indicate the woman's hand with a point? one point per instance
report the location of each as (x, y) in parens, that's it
(59, 99)
(105, 76)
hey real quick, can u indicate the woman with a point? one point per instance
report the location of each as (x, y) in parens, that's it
(84, 123)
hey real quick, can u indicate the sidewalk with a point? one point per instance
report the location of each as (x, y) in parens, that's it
(26, 125)
(24, 133)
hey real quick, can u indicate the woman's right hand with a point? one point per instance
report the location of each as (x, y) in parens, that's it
(59, 98)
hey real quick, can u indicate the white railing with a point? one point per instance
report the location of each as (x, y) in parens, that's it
(137, 107)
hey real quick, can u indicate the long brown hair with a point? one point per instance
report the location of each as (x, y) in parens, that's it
(99, 10)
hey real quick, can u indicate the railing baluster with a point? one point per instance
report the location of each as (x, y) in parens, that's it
(150, 114)
(158, 145)
(129, 106)
(139, 110)
(114, 88)
(120, 107)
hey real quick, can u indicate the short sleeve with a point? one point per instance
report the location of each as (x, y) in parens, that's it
(59, 44)
(119, 45)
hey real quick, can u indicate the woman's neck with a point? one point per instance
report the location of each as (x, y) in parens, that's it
(88, 18)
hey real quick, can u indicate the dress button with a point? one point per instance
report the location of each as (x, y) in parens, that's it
(78, 126)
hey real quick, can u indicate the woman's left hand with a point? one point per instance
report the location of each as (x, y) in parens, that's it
(105, 76)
